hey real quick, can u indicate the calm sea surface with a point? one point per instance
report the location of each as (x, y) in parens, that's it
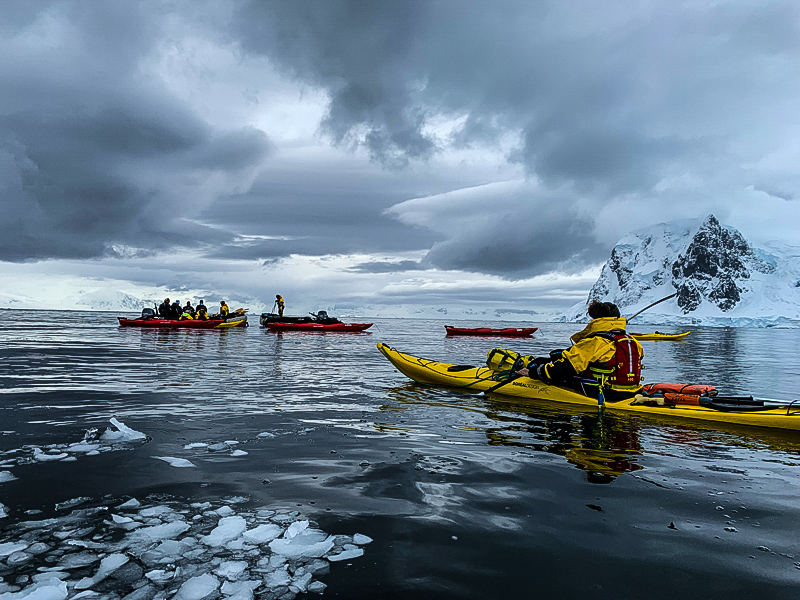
(464, 496)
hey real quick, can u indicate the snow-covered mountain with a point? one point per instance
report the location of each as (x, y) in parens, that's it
(720, 278)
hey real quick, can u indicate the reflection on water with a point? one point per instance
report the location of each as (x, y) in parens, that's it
(602, 445)
(460, 491)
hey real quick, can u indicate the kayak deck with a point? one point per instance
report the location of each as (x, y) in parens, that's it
(478, 379)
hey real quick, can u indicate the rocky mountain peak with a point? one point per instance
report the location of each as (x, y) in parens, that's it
(714, 270)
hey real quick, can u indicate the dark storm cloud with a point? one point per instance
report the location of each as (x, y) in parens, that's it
(607, 99)
(602, 93)
(324, 210)
(95, 155)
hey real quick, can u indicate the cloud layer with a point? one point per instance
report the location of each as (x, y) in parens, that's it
(510, 139)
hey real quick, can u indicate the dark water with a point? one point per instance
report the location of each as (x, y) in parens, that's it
(464, 496)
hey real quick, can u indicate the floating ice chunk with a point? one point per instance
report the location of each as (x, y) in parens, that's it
(240, 590)
(165, 531)
(43, 457)
(300, 584)
(108, 565)
(37, 548)
(82, 544)
(231, 569)
(77, 560)
(122, 434)
(155, 511)
(132, 503)
(347, 554)
(6, 476)
(277, 578)
(266, 434)
(310, 543)
(120, 519)
(72, 503)
(160, 576)
(82, 447)
(295, 528)
(16, 559)
(224, 511)
(231, 442)
(176, 462)
(198, 588)
(194, 445)
(51, 588)
(85, 594)
(361, 539)
(316, 587)
(7, 548)
(3, 511)
(263, 533)
(228, 529)
(239, 453)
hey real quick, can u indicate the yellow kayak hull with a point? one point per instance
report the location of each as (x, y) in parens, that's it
(653, 337)
(241, 322)
(479, 379)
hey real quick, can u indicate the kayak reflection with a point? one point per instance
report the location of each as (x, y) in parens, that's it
(603, 446)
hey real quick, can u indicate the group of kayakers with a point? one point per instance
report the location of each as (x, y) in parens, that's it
(174, 311)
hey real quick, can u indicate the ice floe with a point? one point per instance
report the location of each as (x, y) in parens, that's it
(120, 437)
(176, 462)
(164, 548)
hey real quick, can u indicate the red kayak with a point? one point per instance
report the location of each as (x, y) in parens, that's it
(488, 331)
(189, 323)
(350, 327)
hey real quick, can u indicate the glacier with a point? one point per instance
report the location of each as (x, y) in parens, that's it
(719, 277)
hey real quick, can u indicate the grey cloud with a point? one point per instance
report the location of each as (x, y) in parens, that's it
(94, 155)
(532, 243)
(325, 211)
(605, 96)
(384, 266)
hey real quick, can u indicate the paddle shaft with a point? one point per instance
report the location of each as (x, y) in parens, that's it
(653, 304)
(501, 384)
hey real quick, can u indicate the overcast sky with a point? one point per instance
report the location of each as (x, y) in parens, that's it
(376, 153)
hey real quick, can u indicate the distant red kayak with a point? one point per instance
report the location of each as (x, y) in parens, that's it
(342, 327)
(489, 331)
(239, 321)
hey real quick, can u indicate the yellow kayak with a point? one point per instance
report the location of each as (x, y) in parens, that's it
(651, 337)
(479, 379)
(235, 320)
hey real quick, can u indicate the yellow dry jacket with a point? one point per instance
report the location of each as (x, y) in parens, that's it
(588, 348)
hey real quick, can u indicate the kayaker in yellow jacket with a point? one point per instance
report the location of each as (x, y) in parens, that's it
(279, 301)
(594, 357)
(223, 309)
(186, 316)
